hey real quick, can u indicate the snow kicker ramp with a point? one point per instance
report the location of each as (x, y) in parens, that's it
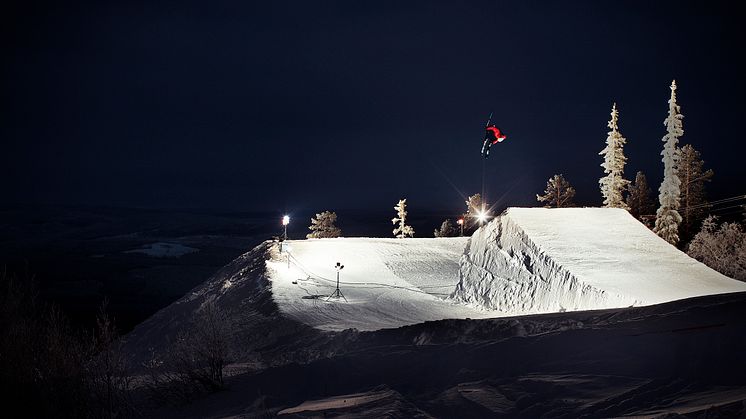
(538, 260)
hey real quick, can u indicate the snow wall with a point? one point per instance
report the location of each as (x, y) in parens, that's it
(538, 260)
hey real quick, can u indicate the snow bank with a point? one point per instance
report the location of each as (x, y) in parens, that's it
(538, 260)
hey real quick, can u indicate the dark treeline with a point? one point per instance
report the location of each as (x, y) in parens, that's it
(51, 368)
(48, 367)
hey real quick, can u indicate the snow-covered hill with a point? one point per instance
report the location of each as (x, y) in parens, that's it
(680, 357)
(529, 260)
(537, 260)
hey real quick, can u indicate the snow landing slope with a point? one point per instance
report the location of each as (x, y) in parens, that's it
(539, 260)
(386, 282)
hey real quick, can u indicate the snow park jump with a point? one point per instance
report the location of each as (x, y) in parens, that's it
(526, 261)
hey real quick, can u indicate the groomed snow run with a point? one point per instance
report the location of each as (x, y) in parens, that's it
(386, 283)
(539, 260)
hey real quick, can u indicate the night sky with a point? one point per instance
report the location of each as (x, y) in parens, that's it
(353, 105)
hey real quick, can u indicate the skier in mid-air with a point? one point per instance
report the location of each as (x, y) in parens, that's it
(492, 136)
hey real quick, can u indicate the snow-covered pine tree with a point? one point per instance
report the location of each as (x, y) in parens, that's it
(402, 230)
(446, 230)
(693, 198)
(558, 193)
(667, 217)
(639, 199)
(322, 226)
(721, 248)
(613, 184)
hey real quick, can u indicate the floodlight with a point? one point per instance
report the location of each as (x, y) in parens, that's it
(285, 222)
(482, 216)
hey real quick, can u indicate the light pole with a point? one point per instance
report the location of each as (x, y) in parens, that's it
(285, 222)
(460, 222)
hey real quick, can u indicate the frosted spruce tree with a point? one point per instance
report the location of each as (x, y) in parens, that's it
(721, 248)
(693, 197)
(402, 230)
(639, 198)
(558, 194)
(667, 218)
(322, 226)
(613, 184)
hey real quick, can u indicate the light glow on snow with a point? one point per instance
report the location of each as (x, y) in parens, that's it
(386, 282)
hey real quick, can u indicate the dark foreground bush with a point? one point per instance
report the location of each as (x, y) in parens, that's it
(195, 360)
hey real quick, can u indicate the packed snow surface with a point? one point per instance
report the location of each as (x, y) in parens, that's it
(528, 260)
(537, 260)
(385, 282)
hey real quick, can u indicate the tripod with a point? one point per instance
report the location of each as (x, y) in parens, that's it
(337, 292)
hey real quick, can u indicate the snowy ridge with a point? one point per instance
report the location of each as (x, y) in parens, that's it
(538, 260)
(241, 291)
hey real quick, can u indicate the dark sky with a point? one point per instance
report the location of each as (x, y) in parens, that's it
(329, 105)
